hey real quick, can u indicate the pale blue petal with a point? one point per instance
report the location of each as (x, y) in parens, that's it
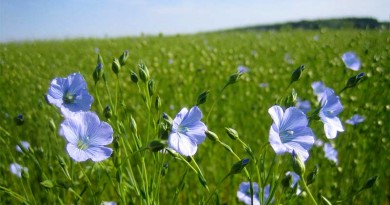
(182, 144)
(70, 129)
(243, 196)
(76, 154)
(193, 116)
(351, 61)
(330, 152)
(331, 126)
(102, 135)
(99, 153)
(298, 148)
(178, 119)
(276, 113)
(293, 118)
(197, 132)
(275, 142)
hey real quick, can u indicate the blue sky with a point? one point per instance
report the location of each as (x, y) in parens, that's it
(50, 19)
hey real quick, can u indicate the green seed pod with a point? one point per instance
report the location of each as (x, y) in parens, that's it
(233, 134)
(143, 72)
(133, 77)
(133, 125)
(287, 181)
(312, 176)
(211, 135)
(52, 125)
(107, 112)
(116, 66)
(298, 164)
(123, 58)
(157, 103)
(151, 87)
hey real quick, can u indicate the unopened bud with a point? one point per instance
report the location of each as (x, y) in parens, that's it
(19, 120)
(157, 145)
(353, 81)
(233, 78)
(231, 133)
(211, 135)
(116, 66)
(298, 164)
(164, 169)
(202, 98)
(369, 183)
(151, 87)
(133, 77)
(167, 118)
(157, 103)
(239, 166)
(107, 112)
(297, 74)
(312, 176)
(98, 73)
(123, 58)
(202, 180)
(143, 72)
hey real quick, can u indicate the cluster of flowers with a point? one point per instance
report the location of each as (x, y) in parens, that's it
(85, 133)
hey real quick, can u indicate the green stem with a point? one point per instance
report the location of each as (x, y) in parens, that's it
(307, 190)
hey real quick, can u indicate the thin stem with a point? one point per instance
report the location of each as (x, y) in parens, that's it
(217, 187)
(307, 190)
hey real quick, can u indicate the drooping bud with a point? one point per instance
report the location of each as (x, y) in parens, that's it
(202, 180)
(233, 78)
(298, 164)
(233, 134)
(157, 145)
(143, 72)
(47, 184)
(123, 58)
(239, 166)
(297, 74)
(19, 119)
(211, 135)
(202, 97)
(133, 77)
(312, 176)
(151, 87)
(116, 66)
(107, 112)
(167, 118)
(353, 81)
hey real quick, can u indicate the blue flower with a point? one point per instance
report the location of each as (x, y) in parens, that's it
(70, 94)
(330, 108)
(330, 153)
(25, 145)
(290, 131)
(355, 119)
(187, 131)
(303, 105)
(351, 61)
(319, 89)
(86, 136)
(108, 203)
(17, 169)
(243, 193)
(242, 69)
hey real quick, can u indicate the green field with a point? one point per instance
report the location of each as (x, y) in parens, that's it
(182, 67)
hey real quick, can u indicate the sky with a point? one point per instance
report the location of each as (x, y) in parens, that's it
(22, 20)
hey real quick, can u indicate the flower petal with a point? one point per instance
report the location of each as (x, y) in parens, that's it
(276, 113)
(76, 153)
(193, 116)
(98, 153)
(197, 132)
(182, 144)
(274, 140)
(179, 118)
(293, 118)
(102, 135)
(331, 126)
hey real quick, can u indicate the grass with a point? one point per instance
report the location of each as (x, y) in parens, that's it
(183, 67)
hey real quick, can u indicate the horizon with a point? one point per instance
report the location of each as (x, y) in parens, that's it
(30, 21)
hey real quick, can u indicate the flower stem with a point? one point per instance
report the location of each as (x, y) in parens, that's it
(307, 190)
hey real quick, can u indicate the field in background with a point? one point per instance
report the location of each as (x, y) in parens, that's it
(185, 66)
